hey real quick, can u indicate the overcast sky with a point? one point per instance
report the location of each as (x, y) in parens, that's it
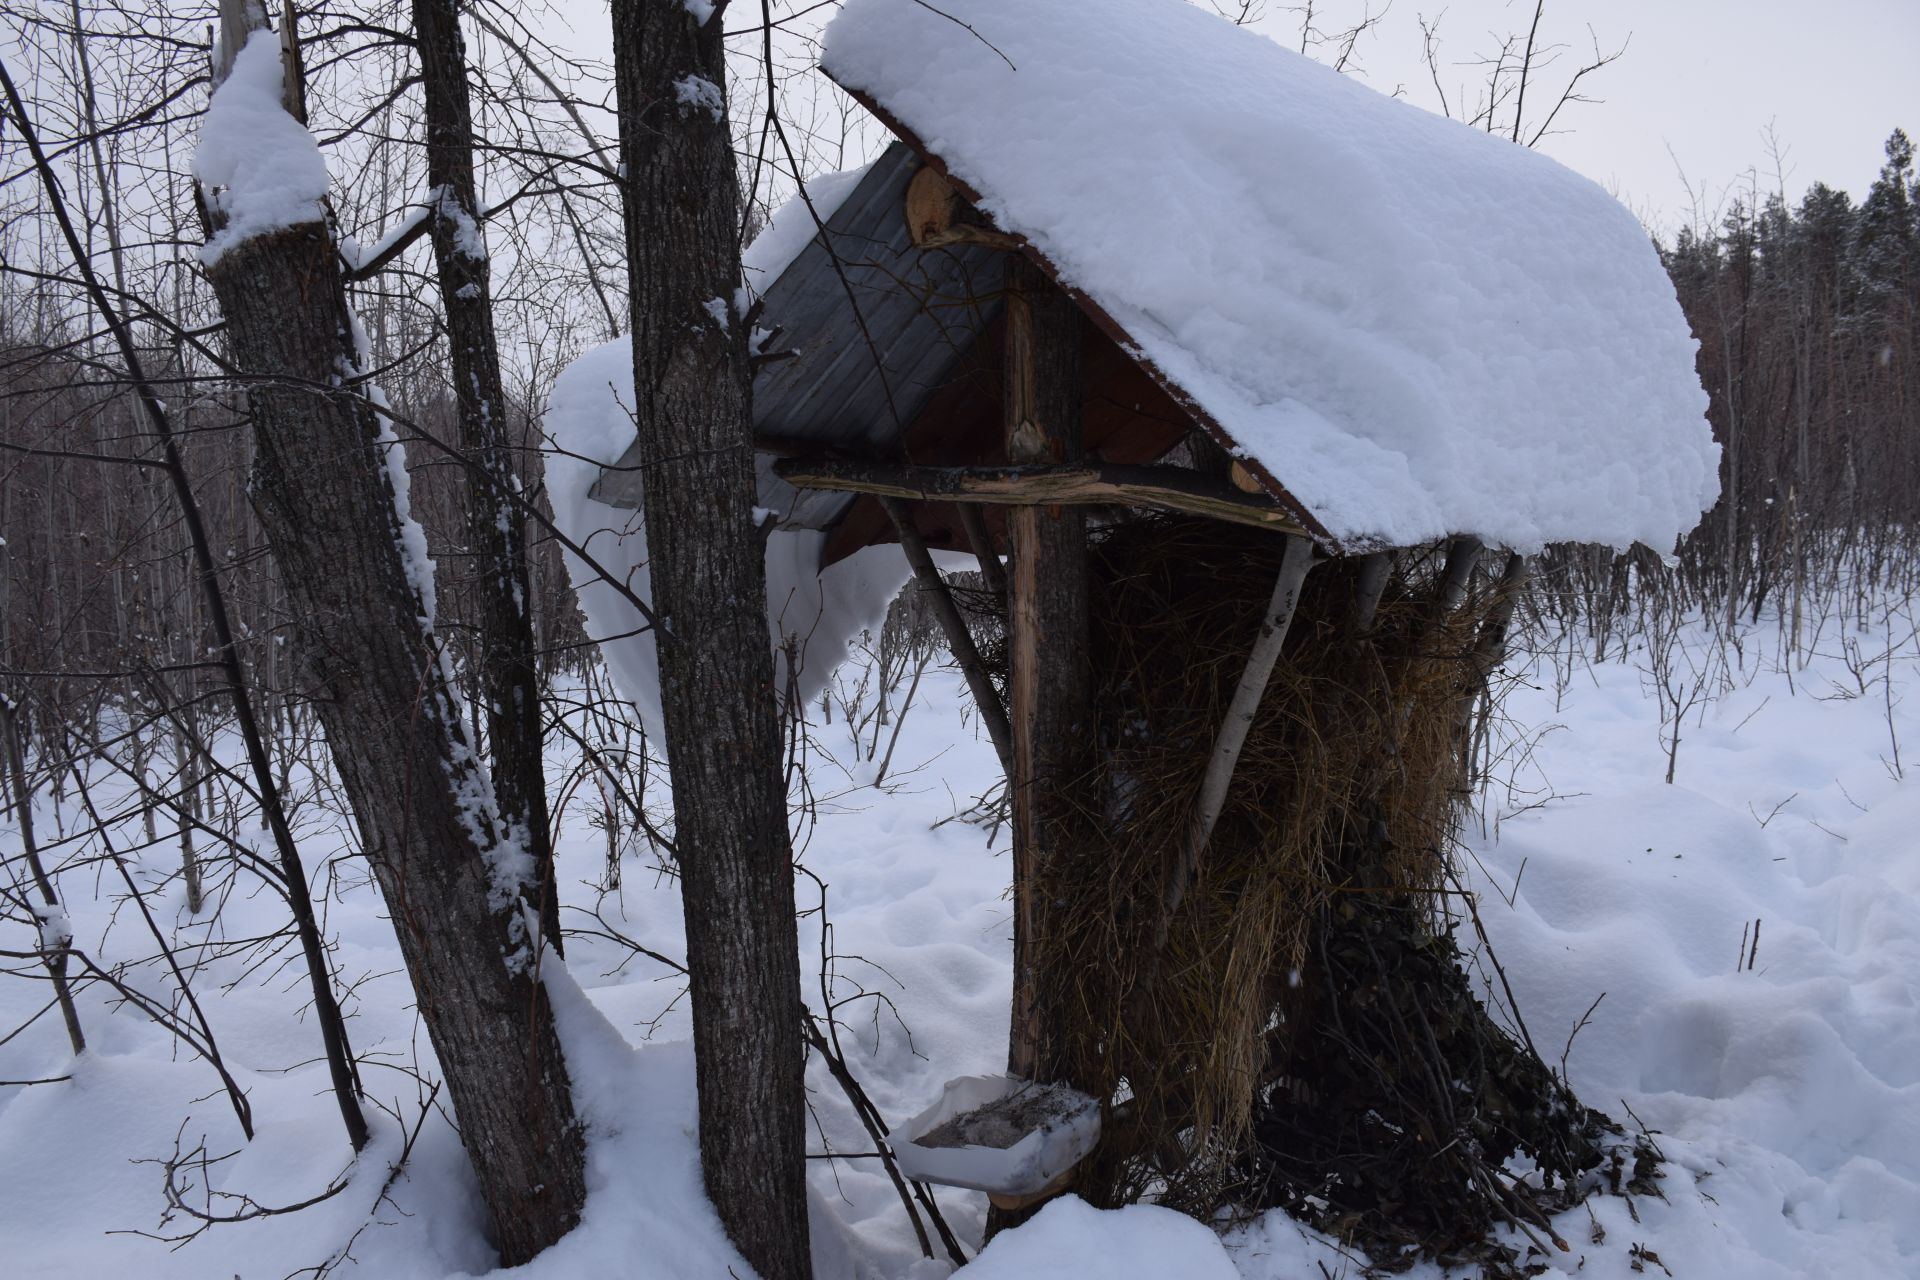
(1704, 78)
(1698, 86)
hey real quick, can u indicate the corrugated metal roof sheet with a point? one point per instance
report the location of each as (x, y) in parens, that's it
(880, 327)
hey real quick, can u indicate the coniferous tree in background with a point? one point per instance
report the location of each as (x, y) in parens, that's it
(1807, 317)
(1888, 248)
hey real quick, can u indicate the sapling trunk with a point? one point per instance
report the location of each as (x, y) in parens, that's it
(20, 787)
(959, 640)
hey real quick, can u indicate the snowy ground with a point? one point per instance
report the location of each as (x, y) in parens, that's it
(1785, 1091)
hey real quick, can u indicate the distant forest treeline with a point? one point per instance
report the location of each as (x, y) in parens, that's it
(1806, 315)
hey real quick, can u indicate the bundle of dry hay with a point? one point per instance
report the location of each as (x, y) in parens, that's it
(1225, 1029)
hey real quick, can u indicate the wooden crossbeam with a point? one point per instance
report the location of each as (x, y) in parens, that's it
(1094, 484)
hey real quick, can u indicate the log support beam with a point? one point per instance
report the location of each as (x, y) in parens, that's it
(1045, 483)
(959, 640)
(939, 216)
(1375, 570)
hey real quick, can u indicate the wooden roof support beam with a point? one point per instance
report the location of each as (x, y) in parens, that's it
(1094, 484)
(1049, 662)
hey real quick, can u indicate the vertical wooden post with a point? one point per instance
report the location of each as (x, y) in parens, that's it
(1050, 681)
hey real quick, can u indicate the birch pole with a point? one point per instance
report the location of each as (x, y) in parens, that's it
(1294, 564)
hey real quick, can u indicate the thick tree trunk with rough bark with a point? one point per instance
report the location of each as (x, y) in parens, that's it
(692, 375)
(419, 795)
(1049, 681)
(496, 533)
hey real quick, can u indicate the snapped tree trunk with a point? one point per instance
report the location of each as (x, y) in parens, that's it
(693, 382)
(345, 1078)
(496, 532)
(374, 671)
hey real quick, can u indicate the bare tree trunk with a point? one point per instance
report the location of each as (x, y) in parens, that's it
(693, 387)
(394, 722)
(496, 531)
(383, 692)
(187, 811)
(959, 640)
(1050, 681)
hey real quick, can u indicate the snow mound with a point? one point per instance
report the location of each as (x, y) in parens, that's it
(260, 166)
(1756, 934)
(792, 226)
(1070, 1239)
(1420, 329)
(589, 425)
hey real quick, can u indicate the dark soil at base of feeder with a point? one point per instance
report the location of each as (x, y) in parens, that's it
(1395, 1114)
(1005, 1121)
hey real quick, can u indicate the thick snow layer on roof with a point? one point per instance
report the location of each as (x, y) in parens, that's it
(262, 168)
(794, 225)
(589, 426)
(1420, 329)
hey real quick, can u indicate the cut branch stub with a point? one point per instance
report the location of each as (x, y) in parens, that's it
(938, 216)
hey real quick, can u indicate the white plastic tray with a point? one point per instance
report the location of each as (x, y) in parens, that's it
(1028, 1166)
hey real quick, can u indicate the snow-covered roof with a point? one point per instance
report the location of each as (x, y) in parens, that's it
(1409, 327)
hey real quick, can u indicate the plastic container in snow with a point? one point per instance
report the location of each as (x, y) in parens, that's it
(1010, 1138)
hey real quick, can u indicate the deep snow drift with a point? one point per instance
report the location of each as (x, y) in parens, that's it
(1785, 1085)
(1420, 329)
(811, 615)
